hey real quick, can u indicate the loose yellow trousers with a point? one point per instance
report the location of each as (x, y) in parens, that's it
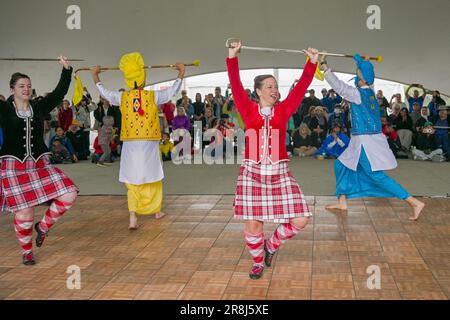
(145, 198)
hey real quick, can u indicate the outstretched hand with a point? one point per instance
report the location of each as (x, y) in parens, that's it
(313, 54)
(64, 62)
(235, 49)
(95, 70)
(181, 69)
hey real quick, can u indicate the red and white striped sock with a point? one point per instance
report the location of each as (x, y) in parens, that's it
(255, 244)
(24, 233)
(56, 210)
(284, 232)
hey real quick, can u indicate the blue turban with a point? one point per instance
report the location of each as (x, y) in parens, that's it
(366, 69)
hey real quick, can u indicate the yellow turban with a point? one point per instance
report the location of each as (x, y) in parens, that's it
(132, 66)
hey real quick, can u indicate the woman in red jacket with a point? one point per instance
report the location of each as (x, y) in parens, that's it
(266, 189)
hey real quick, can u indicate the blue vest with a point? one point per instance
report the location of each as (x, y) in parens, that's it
(366, 117)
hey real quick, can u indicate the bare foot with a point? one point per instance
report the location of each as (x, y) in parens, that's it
(159, 215)
(133, 222)
(337, 208)
(417, 210)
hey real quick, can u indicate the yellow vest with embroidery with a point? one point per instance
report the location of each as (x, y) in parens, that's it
(135, 126)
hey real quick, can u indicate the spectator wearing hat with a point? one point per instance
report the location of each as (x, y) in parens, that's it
(335, 144)
(427, 146)
(443, 121)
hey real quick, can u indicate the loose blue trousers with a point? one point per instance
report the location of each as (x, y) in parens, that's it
(364, 182)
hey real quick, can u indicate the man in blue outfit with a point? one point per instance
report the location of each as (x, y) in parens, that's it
(359, 170)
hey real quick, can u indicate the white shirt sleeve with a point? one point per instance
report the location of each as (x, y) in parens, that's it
(113, 97)
(163, 96)
(331, 144)
(344, 90)
(340, 142)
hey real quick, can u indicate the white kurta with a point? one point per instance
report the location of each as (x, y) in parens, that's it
(375, 145)
(140, 161)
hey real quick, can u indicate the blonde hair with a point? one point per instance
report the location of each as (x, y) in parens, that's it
(304, 125)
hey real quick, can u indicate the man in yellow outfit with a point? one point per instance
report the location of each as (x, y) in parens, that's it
(140, 164)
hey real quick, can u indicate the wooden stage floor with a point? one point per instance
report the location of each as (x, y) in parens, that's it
(197, 252)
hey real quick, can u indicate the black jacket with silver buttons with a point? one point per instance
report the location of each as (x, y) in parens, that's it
(24, 136)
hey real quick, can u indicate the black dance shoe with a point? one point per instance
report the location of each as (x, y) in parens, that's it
(40, 235)
(268, 257)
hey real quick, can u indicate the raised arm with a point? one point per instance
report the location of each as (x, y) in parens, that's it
(295, 97)
(424, 94)
(55, 97)
(240, 97)
(407, 92)
(163, 96)
(113, 97)
(346, 91)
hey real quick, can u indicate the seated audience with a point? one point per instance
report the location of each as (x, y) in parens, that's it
(442, 123)
(166, 147)
(77, 139)
(404, 127)
(392, 139)
(65, 142)
(303, 143)
(427, 146)
(335, 143)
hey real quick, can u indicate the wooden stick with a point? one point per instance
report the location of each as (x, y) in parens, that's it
(36, 59)
(195, 63)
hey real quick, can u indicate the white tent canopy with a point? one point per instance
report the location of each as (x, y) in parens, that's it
(412, 37)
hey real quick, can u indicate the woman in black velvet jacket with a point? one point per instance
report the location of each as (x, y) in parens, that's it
(27, 178)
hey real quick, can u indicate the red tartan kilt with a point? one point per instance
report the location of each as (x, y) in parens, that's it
(268, 193)
(28, 184)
